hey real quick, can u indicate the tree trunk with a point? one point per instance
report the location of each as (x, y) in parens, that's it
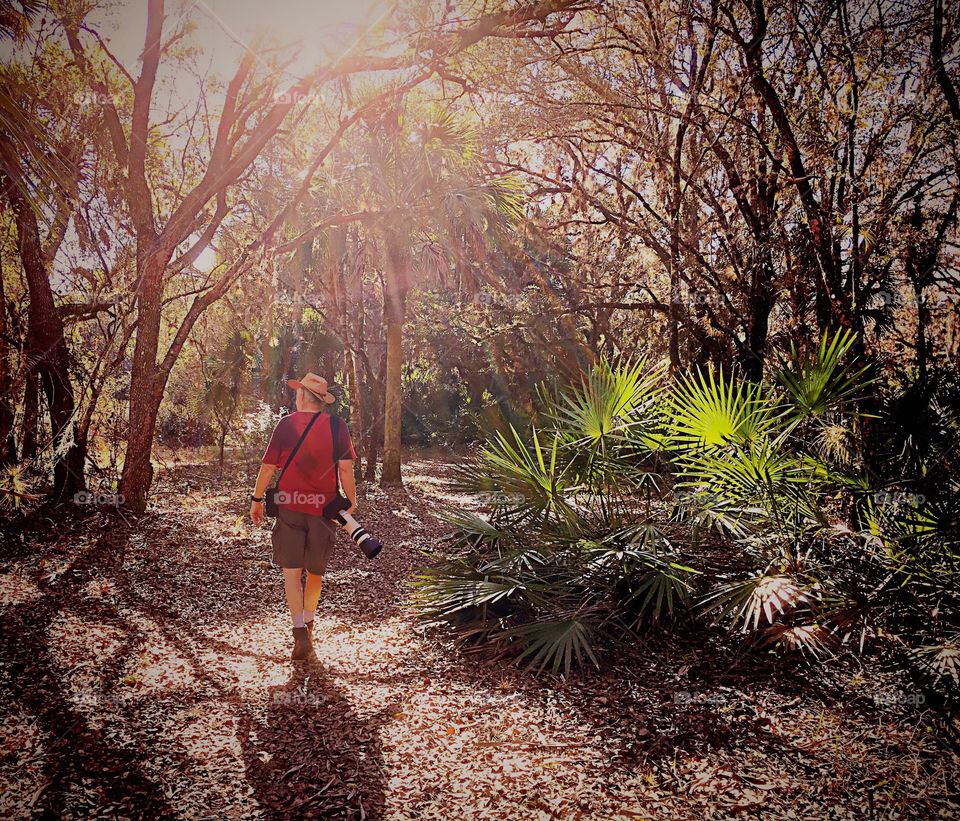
(754, 353)
(46, 345)
(146, 389)
(375, 428)
(8, 445)
(137, 475)
(31, 416)
(394, 311)
(222, 443)
(356, 411)
(392, 406)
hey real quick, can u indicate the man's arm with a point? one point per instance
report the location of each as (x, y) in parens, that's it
(263, 481)
(347, 482)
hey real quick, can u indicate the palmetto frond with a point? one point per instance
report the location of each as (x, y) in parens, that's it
(646, 562)
(447, 591)
(820, 383)
(556, 643)
(747, 601)
(835, 443)
(470, 530)
(529, 477)
(612, 420)
(712, 411)
(759, 481)
(940, 660)
(660, 589)
(702, 508)
(810, 639)
(610, 404)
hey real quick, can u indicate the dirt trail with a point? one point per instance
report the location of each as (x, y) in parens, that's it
(145, 674)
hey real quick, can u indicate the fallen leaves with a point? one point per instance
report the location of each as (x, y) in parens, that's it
(168, 643)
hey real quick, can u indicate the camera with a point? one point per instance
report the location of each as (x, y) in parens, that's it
(336, 510)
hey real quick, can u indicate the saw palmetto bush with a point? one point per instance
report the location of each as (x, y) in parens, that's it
(598, 516)
(571, 553)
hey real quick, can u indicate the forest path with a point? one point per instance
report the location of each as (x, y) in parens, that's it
(146, 674)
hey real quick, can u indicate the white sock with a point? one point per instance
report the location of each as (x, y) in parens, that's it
(298, 621)
(308, 616)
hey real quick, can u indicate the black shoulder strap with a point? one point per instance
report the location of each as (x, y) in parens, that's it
(335, 422)
(296, 447)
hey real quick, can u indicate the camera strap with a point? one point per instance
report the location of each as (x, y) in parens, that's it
(296, 447)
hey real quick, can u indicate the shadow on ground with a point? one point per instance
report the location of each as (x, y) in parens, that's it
(310, 756)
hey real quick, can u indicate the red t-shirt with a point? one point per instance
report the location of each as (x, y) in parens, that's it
(311, 480)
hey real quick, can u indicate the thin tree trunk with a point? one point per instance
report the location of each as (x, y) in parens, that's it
(375, 428)
(392, 405)
(146, 389)
(8, 445)
(46, 347)
(394, 310)
(754, 353)
(356, 410)
(31, 417)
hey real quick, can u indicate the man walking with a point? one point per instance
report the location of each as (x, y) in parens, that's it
(302, 538)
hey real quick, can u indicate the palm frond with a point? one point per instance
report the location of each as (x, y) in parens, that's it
(711, 411)
(747, 601)
(941, 661)
(529, 476)
(444, 592)
(821, 383)
(810, 639)
(556, 643)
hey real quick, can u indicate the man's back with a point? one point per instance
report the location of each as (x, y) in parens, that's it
(311, 479)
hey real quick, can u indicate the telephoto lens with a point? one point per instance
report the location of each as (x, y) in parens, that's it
(336, 510)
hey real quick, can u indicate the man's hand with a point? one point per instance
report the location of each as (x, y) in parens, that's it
(347, 483)
(263, 480)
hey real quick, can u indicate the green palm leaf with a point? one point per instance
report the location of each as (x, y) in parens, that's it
(445, 592)
(711, 411)
(820, 383)
(528, 477)
(555, 643)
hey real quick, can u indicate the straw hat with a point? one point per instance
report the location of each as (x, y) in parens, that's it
(314, 384)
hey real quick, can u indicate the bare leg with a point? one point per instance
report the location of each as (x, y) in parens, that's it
(293, 588)
(311, 592)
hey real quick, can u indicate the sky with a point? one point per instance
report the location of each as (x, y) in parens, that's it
(321, 27)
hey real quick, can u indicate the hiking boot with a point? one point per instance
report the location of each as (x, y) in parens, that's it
(310, 631)
(302, 647)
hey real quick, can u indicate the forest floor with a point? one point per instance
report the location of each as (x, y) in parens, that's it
(145, 673)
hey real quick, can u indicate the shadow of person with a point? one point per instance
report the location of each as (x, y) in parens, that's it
(307, 754)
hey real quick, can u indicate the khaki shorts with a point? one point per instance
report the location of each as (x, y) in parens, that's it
(302, 540)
